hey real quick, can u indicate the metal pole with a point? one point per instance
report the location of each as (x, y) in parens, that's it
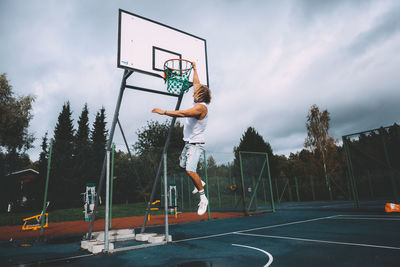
(206, 178)
(112, 181)
(350, 172)
(107, 214)
(297, 188)
(166, 197)
(243, 189)
(270, 185)
(46, 187)
(154, 189)
(108, 146)
(182, 198)
(219, 192)
(189, 193)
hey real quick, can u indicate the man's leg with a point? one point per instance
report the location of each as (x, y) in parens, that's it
(183, 157)
(195, 190)
(193, 155)
(196, 180)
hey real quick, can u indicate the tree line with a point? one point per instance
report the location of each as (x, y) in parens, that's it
(77, 156)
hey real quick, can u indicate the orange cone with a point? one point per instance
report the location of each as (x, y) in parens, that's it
(391, 207)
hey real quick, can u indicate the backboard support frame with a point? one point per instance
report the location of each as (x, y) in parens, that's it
(157, 54)
(103, 176)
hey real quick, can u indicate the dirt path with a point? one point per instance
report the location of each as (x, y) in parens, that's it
(80, 227)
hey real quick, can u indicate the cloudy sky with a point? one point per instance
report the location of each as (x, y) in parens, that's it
(269, 61)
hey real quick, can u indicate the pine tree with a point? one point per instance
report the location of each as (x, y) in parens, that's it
(82, 150)
(61, 182)
(43, 155)
(252, 141)
(98, 145)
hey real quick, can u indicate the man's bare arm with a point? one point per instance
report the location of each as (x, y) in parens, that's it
(196, 80)
(195, 111)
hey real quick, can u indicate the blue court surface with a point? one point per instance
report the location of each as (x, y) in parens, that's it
(297, 234)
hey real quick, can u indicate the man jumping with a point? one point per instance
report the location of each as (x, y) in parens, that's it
(193, 135)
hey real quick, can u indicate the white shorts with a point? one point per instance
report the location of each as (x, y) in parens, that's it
(190, 156)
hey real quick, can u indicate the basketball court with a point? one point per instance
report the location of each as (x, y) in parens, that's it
(326, 235)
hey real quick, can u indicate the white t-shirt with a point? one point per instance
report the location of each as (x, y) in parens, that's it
(193, 129)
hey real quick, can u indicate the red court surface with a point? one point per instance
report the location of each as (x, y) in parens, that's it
(76, 227)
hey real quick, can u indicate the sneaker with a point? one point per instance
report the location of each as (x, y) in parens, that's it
(202, 207)
(195, 190)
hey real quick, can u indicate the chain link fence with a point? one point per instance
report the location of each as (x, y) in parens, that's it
(373, 160)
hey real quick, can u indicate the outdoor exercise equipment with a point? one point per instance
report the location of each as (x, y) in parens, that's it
(34, 222)
(89, 198)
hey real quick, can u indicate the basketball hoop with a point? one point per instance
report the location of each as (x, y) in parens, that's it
(176, 74)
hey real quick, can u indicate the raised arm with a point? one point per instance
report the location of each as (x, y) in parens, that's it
(196, 80)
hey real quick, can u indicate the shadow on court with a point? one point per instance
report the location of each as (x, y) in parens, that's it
(317, 234)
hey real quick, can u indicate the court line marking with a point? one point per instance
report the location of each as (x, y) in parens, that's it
(202, 237)
(270, 258)
(252, 229)
(285, 224)
(338, 205)
(321, 241)
(366, 215)
(324, 206)
(306, 205)
(360, 218)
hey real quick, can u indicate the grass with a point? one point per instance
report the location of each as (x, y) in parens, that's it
(76, 214)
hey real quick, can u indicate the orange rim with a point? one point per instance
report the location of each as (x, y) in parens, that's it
(178, 59)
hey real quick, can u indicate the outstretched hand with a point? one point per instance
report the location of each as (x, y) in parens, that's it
(158, 111)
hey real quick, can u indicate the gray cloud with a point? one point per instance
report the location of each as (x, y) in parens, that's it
(385, 28)
(269, 61)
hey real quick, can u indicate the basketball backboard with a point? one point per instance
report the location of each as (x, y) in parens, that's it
(144, 45)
